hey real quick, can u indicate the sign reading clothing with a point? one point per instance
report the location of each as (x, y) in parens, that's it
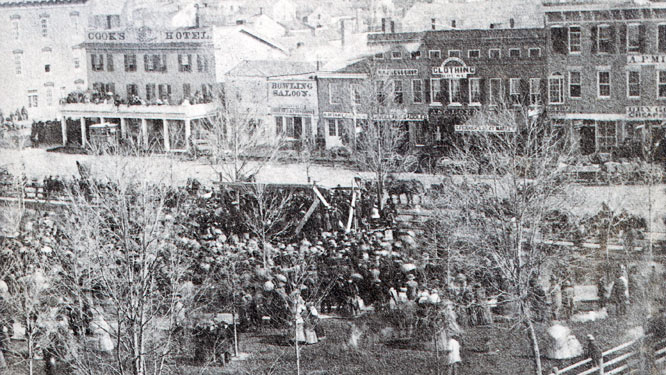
(456, 71)
(292, 88)
(485, 128)
(646, 112)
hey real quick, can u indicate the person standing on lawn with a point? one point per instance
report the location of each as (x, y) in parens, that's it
(453, 350)
(592, 351)
(555, 298)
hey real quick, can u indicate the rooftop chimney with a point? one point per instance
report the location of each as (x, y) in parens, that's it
(383, 25)
(392, 26)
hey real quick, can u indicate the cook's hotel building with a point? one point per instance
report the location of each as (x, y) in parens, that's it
(607, 70)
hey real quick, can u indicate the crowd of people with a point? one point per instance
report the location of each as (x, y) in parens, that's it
(97, 96)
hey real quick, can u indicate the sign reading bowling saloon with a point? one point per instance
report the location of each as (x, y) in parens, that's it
(453, 68)
(302, 89)
(646, 112)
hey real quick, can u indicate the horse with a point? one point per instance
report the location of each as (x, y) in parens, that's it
(408, 187)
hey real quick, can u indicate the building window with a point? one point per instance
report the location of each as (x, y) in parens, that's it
(634, 38)
(559, 39)
(333, 94)
(109, 62)
(381, 93)
(107, 22)
(379, 56)
(202, 63)
(661, 84)
(633, 84)
(396, 55)
(97, 62)
(49, 96)
(514, 90)
(16, 29)
(455, 53)
(514, 53)
(474, 54)
(356, 94)
(150, 91)
(184, 63)
(279, 125)
(534, 53)
(77, 63)
(334, 127)
(47, 68)
(164, 90)
(474, 91)
(74, 18)
(494, 53)
(17, 64)
(154, 63)
(132, 90)
(455, 92)
(187, 90)
(535, 91)
(606, 136)
(130, 62)
(434, 54)
(574, 39)
(398, 91)
(603, 84)
(495, 91)
(416, 55)
(661, 38)
(417, 91)
(575, 85)
(555, 89)
(33, 101)
(44, 22)
(435, 91)
(605, 39)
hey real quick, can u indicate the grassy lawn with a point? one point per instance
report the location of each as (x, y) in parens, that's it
(509, 353)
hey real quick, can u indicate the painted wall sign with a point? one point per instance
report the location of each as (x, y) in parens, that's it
(453, 68)
(344, 115)
(485, 128)
(646, 59)
(145, 34)
(291, 111)
(397, 72)
(646, 112)
(400, 116)
(291, 88)
(457, 112)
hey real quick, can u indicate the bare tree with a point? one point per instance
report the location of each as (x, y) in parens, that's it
(121, 235)
(513, 174)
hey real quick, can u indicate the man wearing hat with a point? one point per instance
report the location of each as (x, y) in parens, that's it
(592, 351)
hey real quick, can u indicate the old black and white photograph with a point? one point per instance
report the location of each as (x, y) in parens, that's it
(332, 187)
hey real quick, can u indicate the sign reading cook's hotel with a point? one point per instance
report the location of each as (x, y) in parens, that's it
(147, 35)
(646, 112)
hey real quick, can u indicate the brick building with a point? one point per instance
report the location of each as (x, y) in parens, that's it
(606, 70)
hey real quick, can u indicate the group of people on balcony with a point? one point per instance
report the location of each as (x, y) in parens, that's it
(101, 97)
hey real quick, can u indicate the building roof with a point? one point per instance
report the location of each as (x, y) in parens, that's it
(27, 3)
(270, 68)
(474, 15)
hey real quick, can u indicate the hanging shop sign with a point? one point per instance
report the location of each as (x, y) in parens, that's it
(291, 111)
(646, 112)
(646, 59)
(400, 116)
(453, 68)
(344, 115)
(397, 72)
(485, 128)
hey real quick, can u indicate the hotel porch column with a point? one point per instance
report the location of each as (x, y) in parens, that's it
(165, 127)
(144, 132)
(83, 132)
(63, 129)
(123, 128)
(188, 133)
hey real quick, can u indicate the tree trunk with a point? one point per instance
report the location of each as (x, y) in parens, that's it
(298, 350)
(535, 347)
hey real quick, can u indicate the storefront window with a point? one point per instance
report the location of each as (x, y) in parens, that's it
(495, 91)
(535, 91)
(555, 92)
(474, 91)
(455, 94)
(606, 136)
(417, 91)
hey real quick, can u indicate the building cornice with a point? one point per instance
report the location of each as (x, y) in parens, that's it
(39, 3)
